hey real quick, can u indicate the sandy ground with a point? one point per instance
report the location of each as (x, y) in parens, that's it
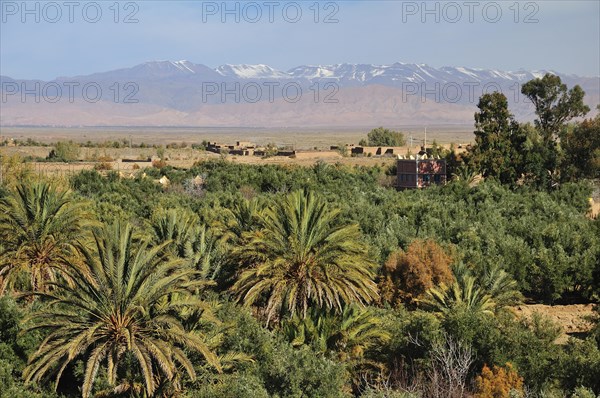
(572, 318)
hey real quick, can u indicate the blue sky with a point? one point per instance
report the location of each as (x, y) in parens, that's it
(508, 35)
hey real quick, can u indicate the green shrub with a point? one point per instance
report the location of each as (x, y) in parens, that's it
(64, 151)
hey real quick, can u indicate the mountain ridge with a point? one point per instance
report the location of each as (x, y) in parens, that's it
(186, 93)
(331, 71)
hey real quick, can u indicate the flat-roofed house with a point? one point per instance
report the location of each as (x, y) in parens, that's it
(420, 171)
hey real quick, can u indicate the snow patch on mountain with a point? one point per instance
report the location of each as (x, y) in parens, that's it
(244, 71)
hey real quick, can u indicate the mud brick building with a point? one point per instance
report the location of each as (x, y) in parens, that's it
(420, 171)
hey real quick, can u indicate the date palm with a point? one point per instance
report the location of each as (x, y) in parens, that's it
(39, 225)
(302, 257)
(466, 291)
(244, 217)
(124, 305)
(191, 240)
(348, 334)
(500, 286)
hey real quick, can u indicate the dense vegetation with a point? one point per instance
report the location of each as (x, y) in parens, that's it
(383, 137)
(289, 281)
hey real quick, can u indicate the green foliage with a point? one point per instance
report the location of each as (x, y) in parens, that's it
(582, 392)
(64, 151)
(124, 304)
(190, 240)
(284, 371)
(513, 240)
(521, 154)
(231, 386)
(554, 103)
(14, 350)
(385, 137)
(582, 150)
(14, 170)
(486, 293)
(464, 294)
(303, 257)
(39, 224)
(580, 365)
(498, 140)
(543, 240)
(348, 334)
(531, 346)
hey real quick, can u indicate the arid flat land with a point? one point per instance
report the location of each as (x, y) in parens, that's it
(182, 158)
(311, 145)
(300, 139)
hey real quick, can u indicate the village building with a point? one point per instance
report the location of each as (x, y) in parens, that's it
(420, 171)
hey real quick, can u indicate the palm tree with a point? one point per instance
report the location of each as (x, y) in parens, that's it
(348, 334)
(466, 292)
(191, 240)
(303, 257)
(123, 306)
(245, 217)
(500, 286)
(39, 224)
(466, 174)
(178, 226)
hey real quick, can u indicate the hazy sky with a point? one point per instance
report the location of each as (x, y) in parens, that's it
(81, 37)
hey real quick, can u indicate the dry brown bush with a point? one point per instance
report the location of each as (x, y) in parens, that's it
(407, 275)
(498, 382)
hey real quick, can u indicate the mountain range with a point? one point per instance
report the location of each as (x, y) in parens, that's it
(182, 93)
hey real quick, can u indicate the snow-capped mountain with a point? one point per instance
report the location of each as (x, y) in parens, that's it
(186, 93)
(393, 75)
(357, 73)
(244, 71)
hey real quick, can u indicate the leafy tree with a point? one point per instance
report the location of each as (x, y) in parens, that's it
(385, 137)
(303, 257)
(497, 140)
(554, 103)
(408, 275)
(39, 223)
(15, 346)
(123, 308)
(582, 149)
